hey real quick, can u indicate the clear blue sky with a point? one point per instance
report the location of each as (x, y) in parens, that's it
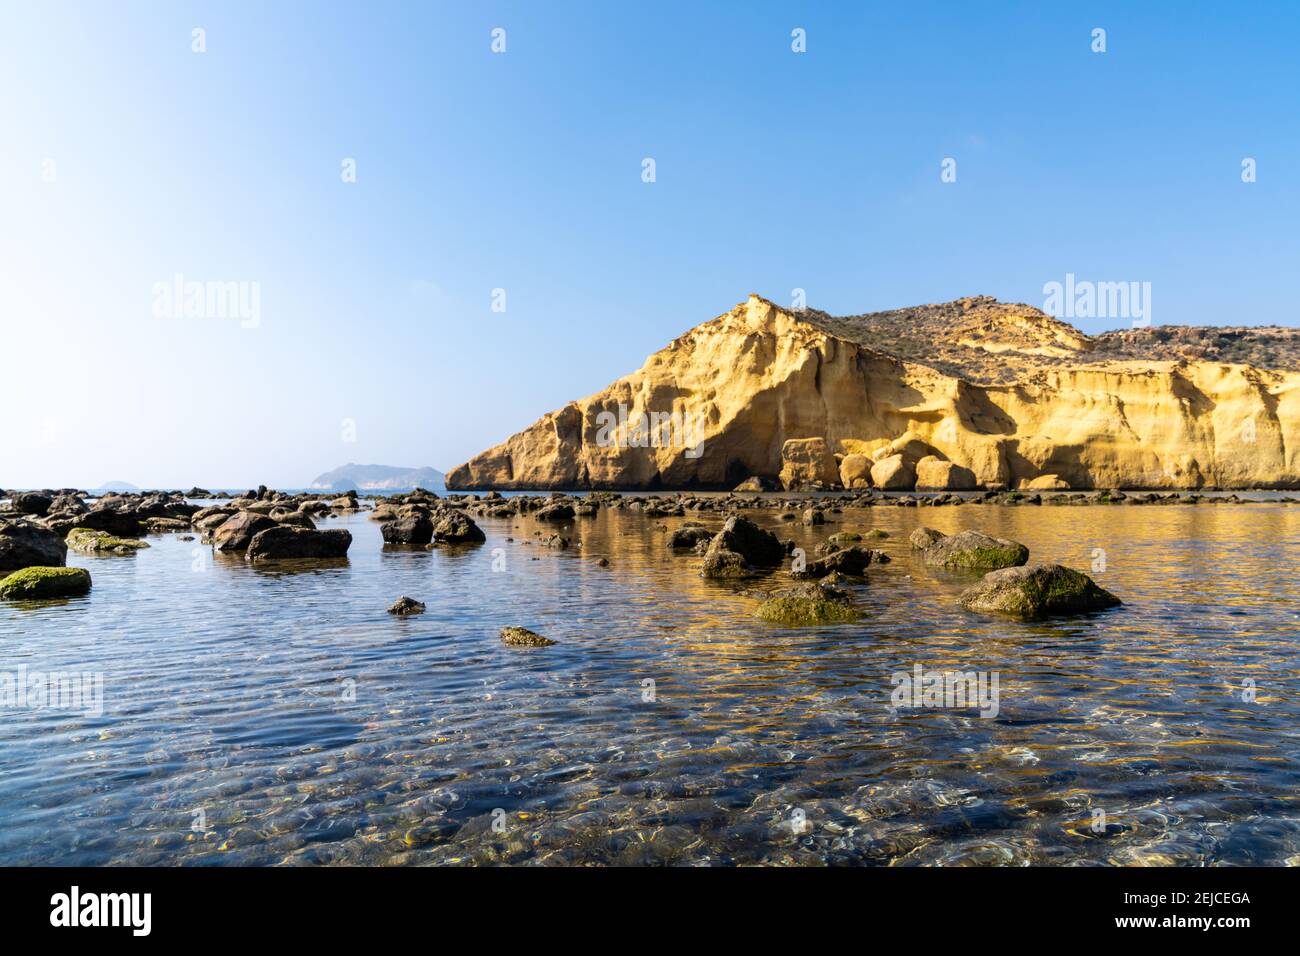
(522, 171)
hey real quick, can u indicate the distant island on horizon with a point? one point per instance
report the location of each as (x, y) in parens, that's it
(354, 477)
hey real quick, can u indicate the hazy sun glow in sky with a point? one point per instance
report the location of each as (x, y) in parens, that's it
(127, 159)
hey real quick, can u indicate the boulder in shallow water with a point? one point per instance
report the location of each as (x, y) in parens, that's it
(685, 539)
(286, 542)
(522, 637)
(922, 538)
(413, 528)
(975, 551)
(68, 504)
(809, 603)
(739, 548)
(25, 544)
(36, 584)
(31, 503)
(237, 531)
(89, 541)
(721, 563)
(453, 527)
(165, 525)
(560, 511)
(758, 546)
(405, 605)
(851, 561)
(1038, 590)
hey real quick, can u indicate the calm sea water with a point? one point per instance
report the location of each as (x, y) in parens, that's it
(258, 716)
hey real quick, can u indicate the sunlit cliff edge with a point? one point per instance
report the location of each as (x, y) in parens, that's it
(972, 393)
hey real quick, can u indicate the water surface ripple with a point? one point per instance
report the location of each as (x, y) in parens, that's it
(259, 716)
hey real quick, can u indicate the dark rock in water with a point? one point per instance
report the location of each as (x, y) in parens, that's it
(453, 527)
(922, 538)
(721, 563)
(284, 542)
(32, 503)
(852, 561)
(237, 531)
(603, 562)
(685, 539)
(37, 583)
(68, 505)
(206, 519)
(197, 492)
(752, 545)
(1038, 590)
(813, 517)
(165, 525)
(298, 519)
(556, 512)
(116, 515)
(975, 551)
(415, 528)
(86, 541)
(522, 637)
(557, 541)
(25, 544)
(406, 605)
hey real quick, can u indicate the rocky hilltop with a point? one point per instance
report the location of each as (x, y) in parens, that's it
(965, 394)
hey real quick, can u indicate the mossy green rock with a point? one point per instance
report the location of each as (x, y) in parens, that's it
(975, 551)
(1040, 590)
(35, 584)
(89, 541)
(802, 611)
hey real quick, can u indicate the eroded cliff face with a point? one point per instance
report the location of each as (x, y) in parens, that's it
(720, 403)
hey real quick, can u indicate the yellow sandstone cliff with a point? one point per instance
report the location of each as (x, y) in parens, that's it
(1001, 392)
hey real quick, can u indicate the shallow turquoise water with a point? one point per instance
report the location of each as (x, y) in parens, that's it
(261, 717)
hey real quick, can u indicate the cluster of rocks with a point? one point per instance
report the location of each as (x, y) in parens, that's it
(808, 506)
(265, 525)
(742, 549)
(38, 527)
(422, 518)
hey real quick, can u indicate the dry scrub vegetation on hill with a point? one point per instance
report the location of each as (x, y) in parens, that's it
(991, 342)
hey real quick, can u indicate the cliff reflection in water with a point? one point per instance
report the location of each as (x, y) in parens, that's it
(669, 724)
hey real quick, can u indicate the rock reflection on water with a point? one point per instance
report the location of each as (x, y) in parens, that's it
(259, 716)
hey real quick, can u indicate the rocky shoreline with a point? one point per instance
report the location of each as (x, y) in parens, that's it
(262, 525)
